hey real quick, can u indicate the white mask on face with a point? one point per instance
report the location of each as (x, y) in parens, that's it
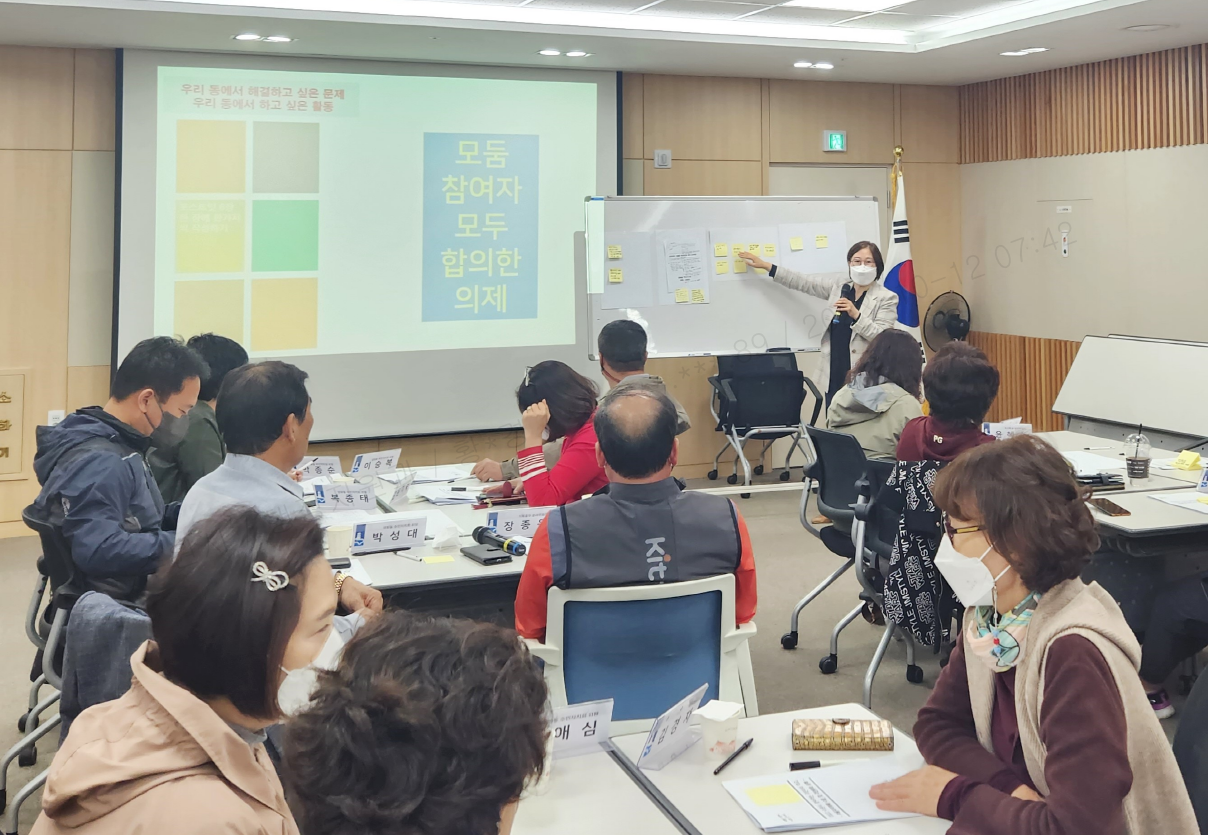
(863, 276)
(293, 695)
(969, 579)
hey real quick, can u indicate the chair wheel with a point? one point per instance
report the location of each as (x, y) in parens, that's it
(21, 722)
(914, 674)
(3, 799)
(732, 478)
(785, 476)
(789, 640)
(27, 757)
(758, 469)
(711, 475)
(744, 495)
(829, 664)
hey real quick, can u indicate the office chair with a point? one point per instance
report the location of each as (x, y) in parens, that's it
(839, 463)
(646, 647)
(760, 395)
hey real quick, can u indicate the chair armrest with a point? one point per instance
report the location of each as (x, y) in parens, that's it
(818, 401)
(739, 634)
(803, 507)
(548, 653)
(722, 387)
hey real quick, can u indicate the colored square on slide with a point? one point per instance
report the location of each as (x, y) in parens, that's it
(285, 314)
(208, 307)
(209, 236)
(211, 157)
(285, 235)
(285, 157)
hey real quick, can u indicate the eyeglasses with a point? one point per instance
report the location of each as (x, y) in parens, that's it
(952, 532)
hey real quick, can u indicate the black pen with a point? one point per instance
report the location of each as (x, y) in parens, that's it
(805, 765)
(460, 489)
(733, 756)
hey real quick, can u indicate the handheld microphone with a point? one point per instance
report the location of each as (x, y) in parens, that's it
(849, 293)
(485, 536)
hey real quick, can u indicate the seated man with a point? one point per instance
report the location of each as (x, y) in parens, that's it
(199, 453)
(622, 349)
(611, 538)
(96, 487)
(264, 416)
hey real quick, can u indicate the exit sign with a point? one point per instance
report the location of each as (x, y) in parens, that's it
(834, 141)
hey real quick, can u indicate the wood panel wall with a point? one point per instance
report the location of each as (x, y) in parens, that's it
(1157, 100)
(1033, 371)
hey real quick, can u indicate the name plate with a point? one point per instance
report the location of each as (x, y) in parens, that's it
(516, 521)
(322, 465)
(580, 728)
(389, 533)
(332, 497)
(375, 463)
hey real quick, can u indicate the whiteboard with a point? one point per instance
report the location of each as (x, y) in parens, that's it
(637, 249)
(1143, 381)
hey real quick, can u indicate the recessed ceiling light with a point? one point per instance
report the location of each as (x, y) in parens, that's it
(803, 65)
(550, 53)
(824, 66)
(1021, 52)
(1147, 27)
(248, 36)
(278, 39)
(577, 53)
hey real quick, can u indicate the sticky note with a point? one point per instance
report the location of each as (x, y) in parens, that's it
(780, 794)
(438, 558)
(740, 266)
(720, 250)
(821, 242)
(769, 249)
(615, 276)
(698, 296)
(614, 252)
(681, 296)
(737, 248)
(1202, 499)
(1187, 460)
(754, 249)
(796, 245)
(722, 267)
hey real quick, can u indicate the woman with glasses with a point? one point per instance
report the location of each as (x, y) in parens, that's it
(862, 307)
(1039, 724)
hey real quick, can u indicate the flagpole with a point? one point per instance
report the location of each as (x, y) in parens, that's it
(897, 172)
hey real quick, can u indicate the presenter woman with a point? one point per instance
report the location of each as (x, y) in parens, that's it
(862, 307)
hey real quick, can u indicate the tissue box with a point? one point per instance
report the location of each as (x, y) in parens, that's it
(842, 735)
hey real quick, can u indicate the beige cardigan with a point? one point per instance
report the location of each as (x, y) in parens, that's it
(1158, 802)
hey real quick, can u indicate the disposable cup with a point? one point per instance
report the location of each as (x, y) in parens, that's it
(719, 726)
(339, 540)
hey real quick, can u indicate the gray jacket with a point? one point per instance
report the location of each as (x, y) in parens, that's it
(650, 382)
(874, 414)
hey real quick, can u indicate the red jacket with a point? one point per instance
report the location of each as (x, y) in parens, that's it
(576, 474)
(538, 577)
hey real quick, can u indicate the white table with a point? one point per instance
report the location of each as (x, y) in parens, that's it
(689, 784)
(591, 795)
(1158, 479)
(1151, 517)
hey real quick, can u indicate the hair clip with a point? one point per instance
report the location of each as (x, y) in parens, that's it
(527, 371)
(273, 580)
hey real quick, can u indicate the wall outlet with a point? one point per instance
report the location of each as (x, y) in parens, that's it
(55, 416)
(662, 159)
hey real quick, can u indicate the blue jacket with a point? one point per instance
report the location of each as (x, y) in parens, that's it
(97, 488)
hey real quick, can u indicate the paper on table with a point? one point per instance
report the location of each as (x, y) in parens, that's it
(1088, 463)
(439, 494)
(823, 797)
(444, 472)
(359, 573)
(1188, 501)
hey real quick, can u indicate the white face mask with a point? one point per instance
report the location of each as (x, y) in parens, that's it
(863, 276)
(969, 579)
(296, 688)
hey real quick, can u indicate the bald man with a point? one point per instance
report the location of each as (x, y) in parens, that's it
(645, 530)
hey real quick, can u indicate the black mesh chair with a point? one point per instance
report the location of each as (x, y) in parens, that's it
(839, 463)
(760, 396)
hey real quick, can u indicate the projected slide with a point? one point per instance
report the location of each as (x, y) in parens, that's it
(328, 213)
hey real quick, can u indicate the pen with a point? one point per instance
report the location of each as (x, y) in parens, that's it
(803, 766)
(412, 557)
(1096, 447)
(733, 756)
(460, 489)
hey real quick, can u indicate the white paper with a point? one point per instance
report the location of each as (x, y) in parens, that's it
(828, 796)
(681, 264)
(671, 734)
(637, 266)
(444, 472)
(580, 728)
(1168, 463)
(522, 521)
(403, 487)
(1188, 501)
(358, 572)
(308, 486)
(440, 494)
(1088, 463)
(344, 517)
(375, 463)
(389, 532)
(812, 259)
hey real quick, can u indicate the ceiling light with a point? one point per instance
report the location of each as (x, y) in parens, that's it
(550, 53)
(278, 39)
(1021, 52)
(577, 53)
(824, 66)
(863, 6)
(248, 36)
(1147, 27)
(803, 65)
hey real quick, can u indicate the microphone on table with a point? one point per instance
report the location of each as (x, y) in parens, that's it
(485, 536)
(849, 293)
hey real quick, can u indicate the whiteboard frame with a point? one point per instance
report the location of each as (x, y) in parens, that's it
(593, 334)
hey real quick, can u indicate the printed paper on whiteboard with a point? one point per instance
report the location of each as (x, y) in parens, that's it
(682, 265)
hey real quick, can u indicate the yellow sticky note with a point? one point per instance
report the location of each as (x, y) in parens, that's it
(614, 252)
(754, 249)
(769, 249)
(821, 242)
(438, 558)
(681, 296)
(737, 248)
(615, 276)
(740, 266)
(698, 296)
(1187, 460)
(796, 244)
(722, 266)
(1202, 499)
(781, 794)
(720, 250)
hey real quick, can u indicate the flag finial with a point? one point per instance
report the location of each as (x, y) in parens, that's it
(897, 153)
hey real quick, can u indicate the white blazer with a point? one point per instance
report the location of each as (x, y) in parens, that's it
(878, 311)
